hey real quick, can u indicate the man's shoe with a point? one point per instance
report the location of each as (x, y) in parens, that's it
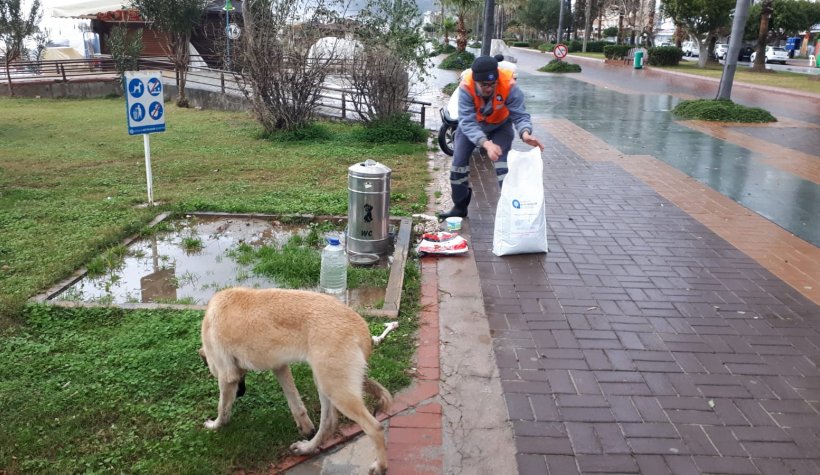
(455, 211)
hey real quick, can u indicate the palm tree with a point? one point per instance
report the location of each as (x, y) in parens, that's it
(462, 8)
(448, 25)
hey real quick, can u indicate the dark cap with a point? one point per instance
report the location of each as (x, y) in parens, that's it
(485, 68)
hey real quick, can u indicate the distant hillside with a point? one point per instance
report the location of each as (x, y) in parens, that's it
(424, 5)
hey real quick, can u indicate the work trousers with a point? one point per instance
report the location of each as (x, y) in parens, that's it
(460, 168)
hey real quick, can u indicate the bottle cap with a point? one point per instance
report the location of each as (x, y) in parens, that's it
(333, 241)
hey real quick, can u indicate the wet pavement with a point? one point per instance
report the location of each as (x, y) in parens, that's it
(645, 341)
(638, 124)
(671, 328)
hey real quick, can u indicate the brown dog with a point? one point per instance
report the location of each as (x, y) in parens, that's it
(254, 330)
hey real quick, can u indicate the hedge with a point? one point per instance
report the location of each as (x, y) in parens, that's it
(616, 51)
(664, 56)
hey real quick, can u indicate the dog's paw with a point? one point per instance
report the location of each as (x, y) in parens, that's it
(307, 429)
(211, 425)
(303, 447)
(377, 469)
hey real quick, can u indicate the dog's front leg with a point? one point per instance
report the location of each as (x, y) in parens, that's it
(327, 425)
(297, 407)
(227, 394)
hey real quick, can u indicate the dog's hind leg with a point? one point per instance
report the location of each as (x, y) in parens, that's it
(352, 406)
(227, 394)
(297, 407)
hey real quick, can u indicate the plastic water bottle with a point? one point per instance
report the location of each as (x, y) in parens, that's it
(333, 273)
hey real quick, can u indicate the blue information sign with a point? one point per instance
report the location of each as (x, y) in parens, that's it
(145, 112)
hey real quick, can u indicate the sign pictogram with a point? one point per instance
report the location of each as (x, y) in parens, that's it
(144, 99)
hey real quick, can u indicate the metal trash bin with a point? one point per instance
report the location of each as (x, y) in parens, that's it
(638, 59)
(368, 208)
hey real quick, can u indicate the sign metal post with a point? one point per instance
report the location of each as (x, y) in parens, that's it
(145, 113)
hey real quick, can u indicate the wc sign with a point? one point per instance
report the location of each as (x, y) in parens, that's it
(144, 105)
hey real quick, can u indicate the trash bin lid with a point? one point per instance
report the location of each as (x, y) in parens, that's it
(369, 168)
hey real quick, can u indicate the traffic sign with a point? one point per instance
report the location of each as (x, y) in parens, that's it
(144, 102)
(560, 51)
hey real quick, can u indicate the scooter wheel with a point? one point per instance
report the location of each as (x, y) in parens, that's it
(446, 139)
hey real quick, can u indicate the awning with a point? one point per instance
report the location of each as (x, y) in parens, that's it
(87, 8)
(90, 8)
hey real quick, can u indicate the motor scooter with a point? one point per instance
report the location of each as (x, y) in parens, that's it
(449, 114)
(449, 124)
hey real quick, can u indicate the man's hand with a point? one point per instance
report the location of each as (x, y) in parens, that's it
(531, 141)
(493, 150)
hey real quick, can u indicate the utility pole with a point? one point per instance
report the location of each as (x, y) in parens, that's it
(560, 22)
(489, 27)
(736, 40)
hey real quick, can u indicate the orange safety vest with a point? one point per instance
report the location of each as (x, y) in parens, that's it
(502, 91)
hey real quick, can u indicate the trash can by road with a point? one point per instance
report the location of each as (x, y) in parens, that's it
(638, 59)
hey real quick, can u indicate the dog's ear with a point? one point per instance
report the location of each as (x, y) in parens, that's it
(201, 352)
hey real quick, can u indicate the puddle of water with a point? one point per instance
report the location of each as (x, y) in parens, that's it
(165, 269)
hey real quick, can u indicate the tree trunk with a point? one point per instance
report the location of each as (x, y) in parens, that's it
(620, 39)
(760, 48)
(600, 24)
(461, 35)
(8, 75)
(182, 57)
(587, 24)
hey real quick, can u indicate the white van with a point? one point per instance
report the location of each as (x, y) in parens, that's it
(690, 48)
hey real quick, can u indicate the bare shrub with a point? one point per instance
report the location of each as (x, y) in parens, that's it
(381, 84)
(393, 54)
(281, 76)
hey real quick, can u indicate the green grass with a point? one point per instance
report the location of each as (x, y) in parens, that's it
(450, 88)
(721, 111)
(781, 79)
(106, 390)
(558, 66)
(71, 179)
(110, 391)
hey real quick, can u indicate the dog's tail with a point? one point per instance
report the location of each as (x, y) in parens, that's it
(383, 398)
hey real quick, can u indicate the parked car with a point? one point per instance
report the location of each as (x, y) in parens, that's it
(690, 48)
(720, 50)
(745, 53)
(774, 54)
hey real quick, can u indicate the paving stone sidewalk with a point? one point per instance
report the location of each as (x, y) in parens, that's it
(643, 342)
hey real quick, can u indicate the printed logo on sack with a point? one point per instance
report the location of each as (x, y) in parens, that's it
(516, 204)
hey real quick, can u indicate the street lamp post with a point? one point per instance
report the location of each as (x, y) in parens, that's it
(228, 9)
